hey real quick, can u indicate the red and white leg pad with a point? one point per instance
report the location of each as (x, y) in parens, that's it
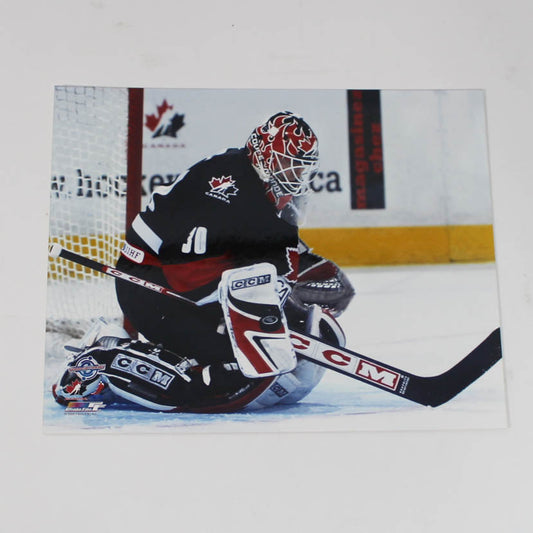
(296, 385)
(256, 322)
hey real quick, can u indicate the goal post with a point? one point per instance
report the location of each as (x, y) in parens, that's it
(134, 153)
(95, 193)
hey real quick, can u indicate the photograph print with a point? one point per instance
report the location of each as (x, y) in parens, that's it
(232, 260)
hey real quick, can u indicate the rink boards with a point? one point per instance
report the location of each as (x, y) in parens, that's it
(404, 175)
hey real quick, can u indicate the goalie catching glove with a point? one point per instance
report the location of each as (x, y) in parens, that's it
(321, 282)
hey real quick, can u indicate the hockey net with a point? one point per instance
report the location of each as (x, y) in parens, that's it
(93, 190)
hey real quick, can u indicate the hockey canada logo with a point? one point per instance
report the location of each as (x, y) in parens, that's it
(222, 188)
(165, 123)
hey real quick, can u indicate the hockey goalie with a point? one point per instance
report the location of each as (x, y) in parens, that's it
(225, 236)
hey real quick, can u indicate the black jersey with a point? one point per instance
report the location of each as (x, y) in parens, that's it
(216, 216)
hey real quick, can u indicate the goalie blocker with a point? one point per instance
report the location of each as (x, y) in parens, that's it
(255, 320)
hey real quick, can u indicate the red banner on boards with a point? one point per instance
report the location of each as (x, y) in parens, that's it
(365, 150)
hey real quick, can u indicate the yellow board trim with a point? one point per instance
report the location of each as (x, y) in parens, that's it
(402, 245)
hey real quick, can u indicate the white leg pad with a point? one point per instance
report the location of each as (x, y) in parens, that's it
(256, 322)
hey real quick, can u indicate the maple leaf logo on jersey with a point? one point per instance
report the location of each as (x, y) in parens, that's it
(222, 188)
(164, 123)
(293, 262)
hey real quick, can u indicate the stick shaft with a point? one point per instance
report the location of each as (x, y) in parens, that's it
(57, 251)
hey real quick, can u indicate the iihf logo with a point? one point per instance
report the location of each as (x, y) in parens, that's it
(222, 188)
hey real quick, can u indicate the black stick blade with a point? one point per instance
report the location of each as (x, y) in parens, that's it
(436, 390)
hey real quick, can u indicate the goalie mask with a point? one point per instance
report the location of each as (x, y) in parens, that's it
(284, 152)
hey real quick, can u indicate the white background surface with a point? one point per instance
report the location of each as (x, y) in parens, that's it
(388, 481)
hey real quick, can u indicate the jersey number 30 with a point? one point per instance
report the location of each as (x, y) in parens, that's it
(196, 241)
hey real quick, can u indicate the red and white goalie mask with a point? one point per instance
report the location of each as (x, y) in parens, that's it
(284, 152)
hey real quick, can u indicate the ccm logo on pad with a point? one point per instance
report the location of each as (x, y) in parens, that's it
(143, 370)
(250, 282)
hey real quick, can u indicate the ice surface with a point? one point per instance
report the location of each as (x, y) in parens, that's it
(422, 319)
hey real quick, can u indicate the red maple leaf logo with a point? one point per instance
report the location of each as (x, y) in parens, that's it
(293, 261)
(224, 185)
(218, 182)
(74, 387)
(152, 121)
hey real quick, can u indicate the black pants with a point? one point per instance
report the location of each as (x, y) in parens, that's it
(185, 329)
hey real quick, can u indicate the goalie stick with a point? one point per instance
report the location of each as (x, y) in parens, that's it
(425, 390)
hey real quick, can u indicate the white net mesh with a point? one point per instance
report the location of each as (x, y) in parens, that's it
(87, 202)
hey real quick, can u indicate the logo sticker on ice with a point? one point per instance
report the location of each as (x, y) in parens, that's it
(222, 188)
(84, 407)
